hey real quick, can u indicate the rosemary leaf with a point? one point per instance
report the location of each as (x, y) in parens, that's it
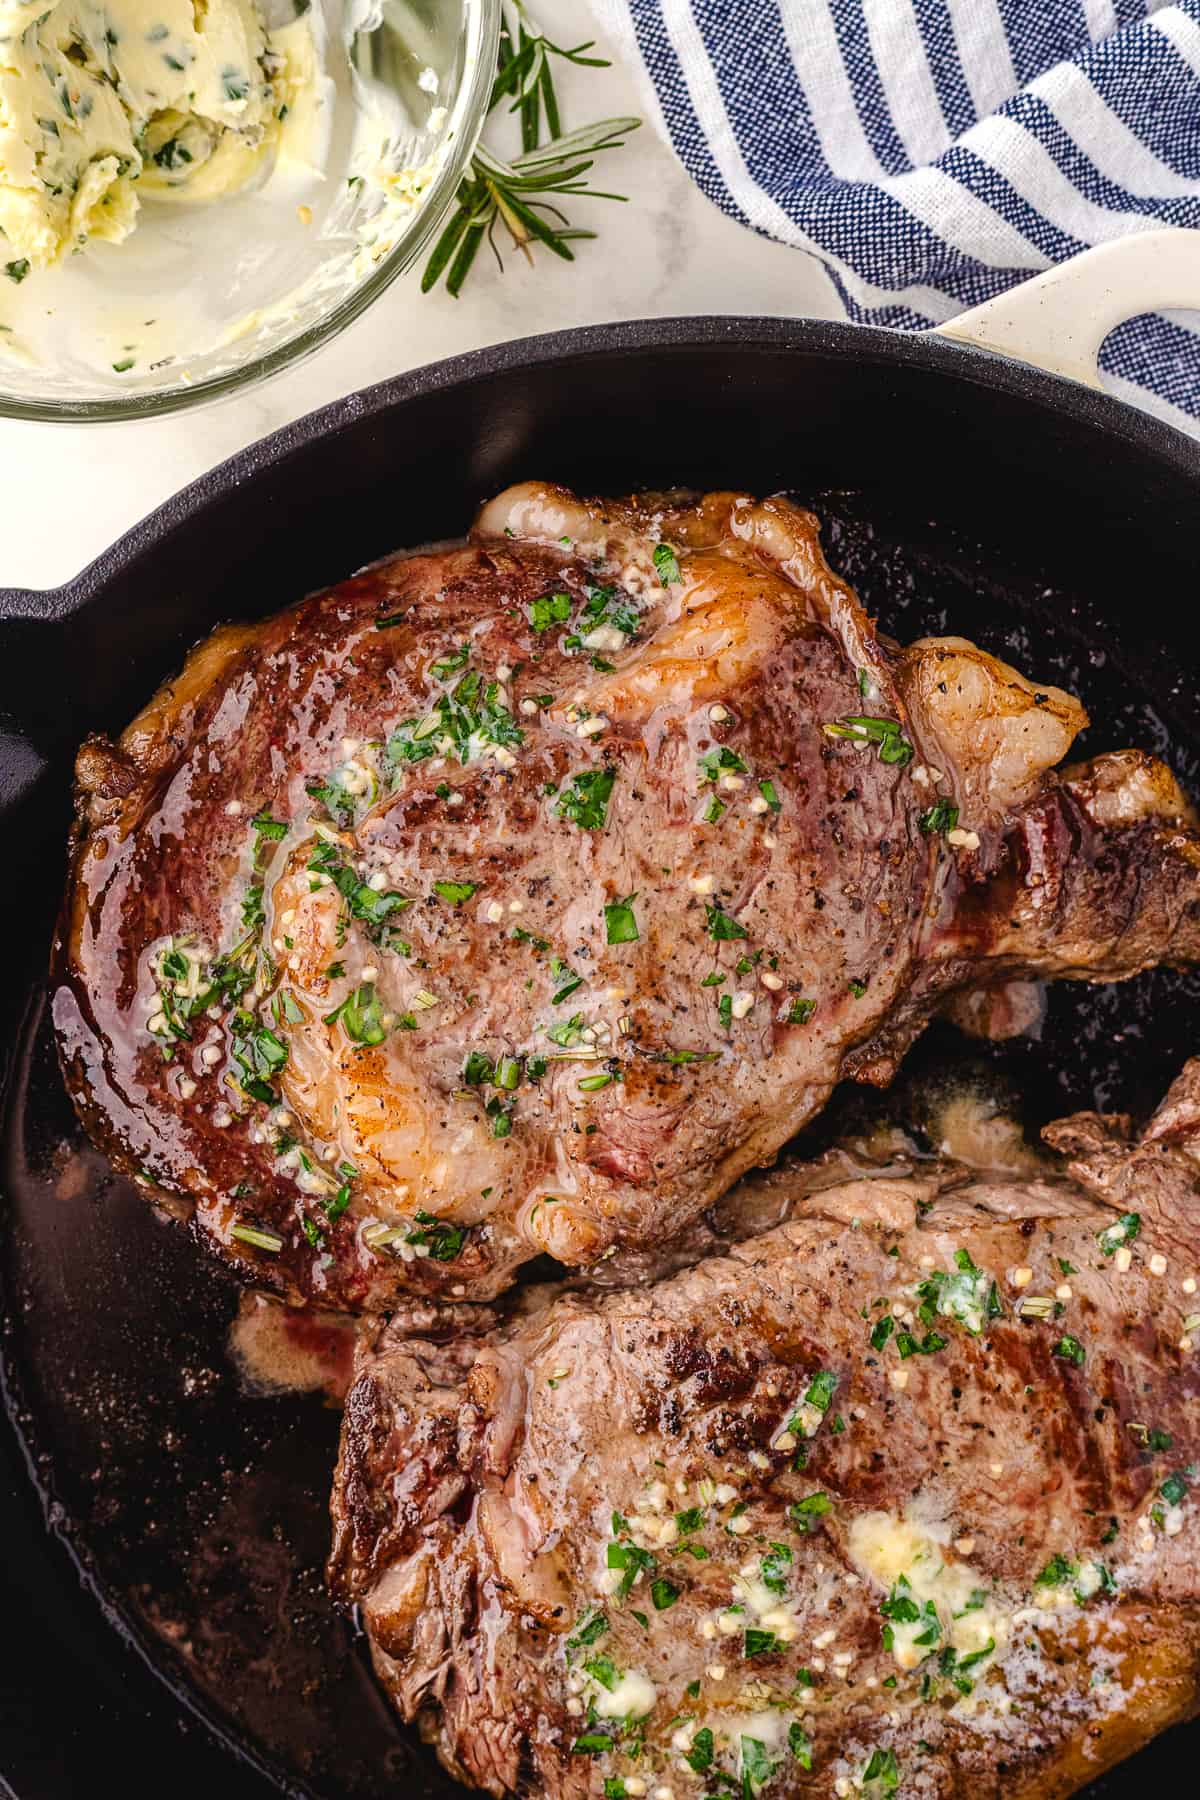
(495, 192)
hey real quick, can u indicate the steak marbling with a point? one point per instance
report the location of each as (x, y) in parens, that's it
(897, 1496)
(519, 897)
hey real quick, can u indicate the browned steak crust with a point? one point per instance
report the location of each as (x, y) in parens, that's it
(901, 1492)
(519, 897)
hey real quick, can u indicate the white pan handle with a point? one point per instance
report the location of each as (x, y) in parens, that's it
(1058, 320)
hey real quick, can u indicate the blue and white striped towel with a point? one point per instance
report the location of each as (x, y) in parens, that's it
(934, 152)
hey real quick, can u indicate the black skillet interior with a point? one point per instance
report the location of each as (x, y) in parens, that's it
(960, 493)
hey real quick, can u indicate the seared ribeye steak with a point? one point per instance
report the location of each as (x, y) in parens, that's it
(519, 897)
(898, 1497)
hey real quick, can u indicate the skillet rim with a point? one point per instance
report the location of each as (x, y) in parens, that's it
(976, 368)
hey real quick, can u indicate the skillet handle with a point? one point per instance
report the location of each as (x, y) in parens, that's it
(1058, 320)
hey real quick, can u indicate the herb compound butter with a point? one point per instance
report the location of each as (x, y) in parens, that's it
(104, 101)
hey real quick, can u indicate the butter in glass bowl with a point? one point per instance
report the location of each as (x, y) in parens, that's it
(195, 192)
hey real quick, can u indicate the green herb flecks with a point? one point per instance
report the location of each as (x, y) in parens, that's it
(468, 721)
(1123, 1231)
(939, 818)
(584, 798)
(885, 734)
(721, 926)
(967, 1294)
(620, 925)
(442, 1239)
(360, 1015)
(375, 908)
(666, 565)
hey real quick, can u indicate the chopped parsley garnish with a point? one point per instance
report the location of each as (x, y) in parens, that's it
(450, 664)
(253, 914)
(259, 1054)
(603, 1670)
(363, 902)
(335, 797)
(900, 1608)
(721, 760)
(468, 720)
(1174, 1489)
(18, 270)
(620, 926)
(800, 1745)
(1070, 1350)
(666, 564)
(767, 790)
(700, 1754)
(443, 1240)
(720, 925)
(882, 1331)
(585, 800)
(551, 609)
(758, 1642)
(664, 1593)
(592, 1743)
(942, 816)
(968, 1295)
(560, 972)
(1123, 1231)
(589, 1631)
(813, 1506)
(360, 1015)
(883, 1770)
(774, 1568)
(395, 618)
(929, 1345)
(269, 830)
(455, 892)
(800, 1011)
(892, 745)
(821, 1390)
(953, 1666)
(631, 1560)
(757, 1767)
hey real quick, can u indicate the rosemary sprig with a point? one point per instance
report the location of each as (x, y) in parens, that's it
(498, 192)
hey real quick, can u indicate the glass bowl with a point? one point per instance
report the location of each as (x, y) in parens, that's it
(202, 300)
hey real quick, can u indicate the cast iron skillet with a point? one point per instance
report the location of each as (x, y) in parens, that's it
(170, 1626)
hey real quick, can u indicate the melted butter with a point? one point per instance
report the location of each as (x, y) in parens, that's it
(280, 1349)
(890, 1547)
(968, 1127)
(633, 1697)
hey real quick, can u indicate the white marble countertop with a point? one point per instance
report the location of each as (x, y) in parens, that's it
(68, 491)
